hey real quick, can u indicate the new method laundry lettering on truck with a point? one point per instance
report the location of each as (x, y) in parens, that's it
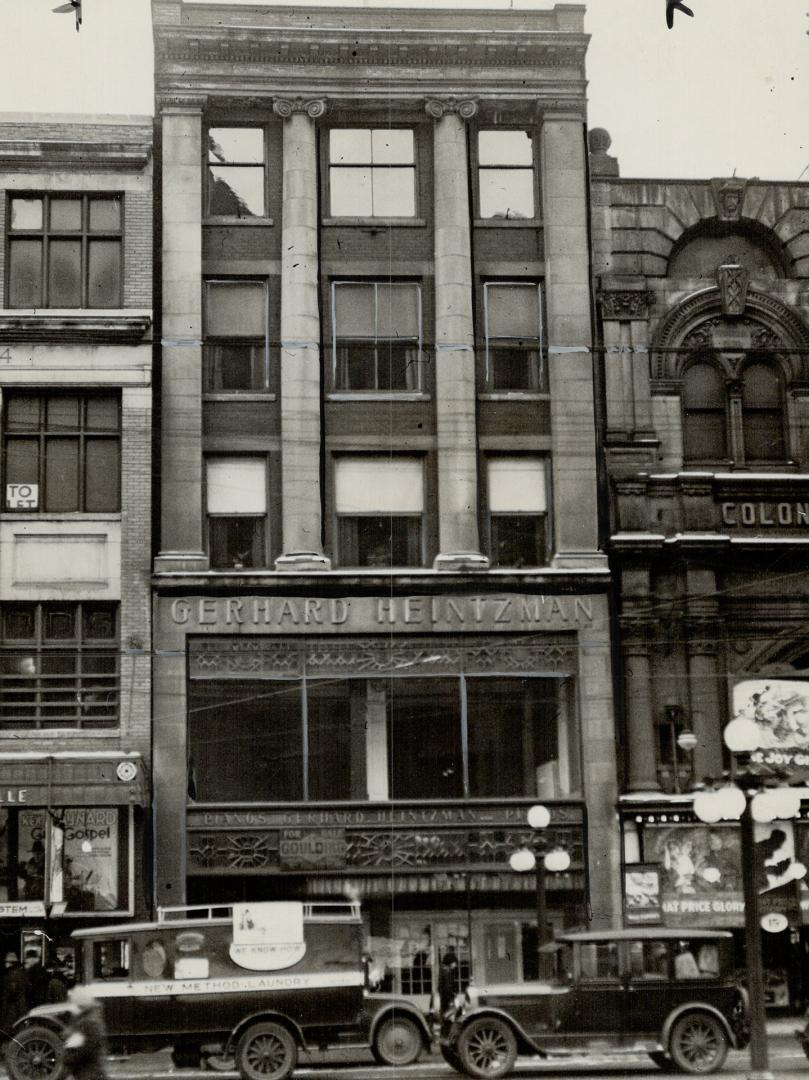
(258, 982)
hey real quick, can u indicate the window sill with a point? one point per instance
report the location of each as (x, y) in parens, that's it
(373, 395)
(14, 734)
(240, 395)
(373, 222)
(507, 223)
(515, 395)
(59, 515)
(238, 223)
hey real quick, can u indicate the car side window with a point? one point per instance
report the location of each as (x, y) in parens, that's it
(648, 959)
(111, 959)
(685, 963)
(598, 961)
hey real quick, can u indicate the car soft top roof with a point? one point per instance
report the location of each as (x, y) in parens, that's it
(645, 933)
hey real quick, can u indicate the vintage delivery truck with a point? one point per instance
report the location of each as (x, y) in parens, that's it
(256, 982)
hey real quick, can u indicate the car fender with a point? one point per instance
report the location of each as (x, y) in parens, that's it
(525, 1044)
(401, 1008)
(696, 1006)
(266, 1015)
(57, 1016)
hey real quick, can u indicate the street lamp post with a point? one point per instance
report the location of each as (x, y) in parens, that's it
(539, 858)
(748, 801)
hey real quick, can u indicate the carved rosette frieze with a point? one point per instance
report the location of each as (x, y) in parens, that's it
(286, 107)
(626, 304)
(465, 108)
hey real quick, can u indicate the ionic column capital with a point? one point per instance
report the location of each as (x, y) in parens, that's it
(286, 107)
(465, 108)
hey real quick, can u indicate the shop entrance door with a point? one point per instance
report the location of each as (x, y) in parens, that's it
(501, 958)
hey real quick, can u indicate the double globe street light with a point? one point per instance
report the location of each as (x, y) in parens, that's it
(745, 798)
(539, 857)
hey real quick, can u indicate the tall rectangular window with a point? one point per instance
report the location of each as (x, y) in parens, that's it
(59, 665)
(506, 174)
(372, 172)
(67, 446)
(237, 511)
(380, 506)
(377, 335)
(65, 251)
(236, 347)
(237, 183)
(513, 329)
(518, 508)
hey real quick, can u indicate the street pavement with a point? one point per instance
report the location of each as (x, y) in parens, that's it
(786, 1059)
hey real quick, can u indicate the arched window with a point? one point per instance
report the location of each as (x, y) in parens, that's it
(762, 413)
(705, 434)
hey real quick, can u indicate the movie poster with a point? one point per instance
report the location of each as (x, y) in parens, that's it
(642, 895)
(780, 710)
(90, 859)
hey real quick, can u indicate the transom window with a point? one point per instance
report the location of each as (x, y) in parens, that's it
(65, 251)
(236, 346)
(518, 507)
(372, 172)
(236, 172)
(380, 506)
(513, 329)
(505, 174)
(59, 665)
(237, 512)
(743, 420)
(377, 335)
(67, 447)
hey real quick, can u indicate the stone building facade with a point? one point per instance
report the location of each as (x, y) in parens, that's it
(75, 534)
(704, 324)
(381, 615)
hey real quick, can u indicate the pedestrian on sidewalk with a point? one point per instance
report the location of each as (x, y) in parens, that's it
(14, 1003)
(86, 1041)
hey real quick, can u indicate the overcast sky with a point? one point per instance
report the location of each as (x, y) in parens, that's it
(724, 90)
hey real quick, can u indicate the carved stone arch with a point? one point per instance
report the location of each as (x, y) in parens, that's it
(773, 317)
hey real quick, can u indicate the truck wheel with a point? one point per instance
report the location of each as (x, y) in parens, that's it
(266, 1052)
(397, 1041)
(698, 1043)
(35, 1053)
(487, 1048)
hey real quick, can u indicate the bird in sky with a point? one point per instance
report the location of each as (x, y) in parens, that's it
(671, 7)
(71, 5)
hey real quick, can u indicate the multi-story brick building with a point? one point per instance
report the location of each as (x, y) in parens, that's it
(75, 424)
(381, 621)
(705, 326)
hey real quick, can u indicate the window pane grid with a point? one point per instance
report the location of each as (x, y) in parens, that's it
(372, 172)
(236, 347)
(77, 465)
(513, 361)
(74, 683)
(376, 360)
(68, 255)
(237, 174)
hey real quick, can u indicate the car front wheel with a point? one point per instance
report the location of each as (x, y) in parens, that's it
(397, 1042)
(487, 1048)
(35, 1053)
(698, 1043)
(266, 1052)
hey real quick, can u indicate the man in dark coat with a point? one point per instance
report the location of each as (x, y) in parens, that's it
(15, 995)
(86, 1041)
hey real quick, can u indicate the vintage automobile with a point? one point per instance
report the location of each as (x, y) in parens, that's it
(255, 982)
(669, 993)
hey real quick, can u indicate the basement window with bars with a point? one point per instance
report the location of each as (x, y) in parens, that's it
(59, 665)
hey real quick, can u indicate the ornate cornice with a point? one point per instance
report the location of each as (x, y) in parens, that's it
(169, 100)
(626, 304)
(286, 107)
(465, 108)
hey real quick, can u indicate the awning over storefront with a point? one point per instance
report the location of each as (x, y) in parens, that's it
(72, 778)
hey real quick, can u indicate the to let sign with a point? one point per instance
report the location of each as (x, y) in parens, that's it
(22, 496)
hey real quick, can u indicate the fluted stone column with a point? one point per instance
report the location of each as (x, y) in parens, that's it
(455, 392)
(570, 341)
(636, 635)
(181, 394)
(300, 341)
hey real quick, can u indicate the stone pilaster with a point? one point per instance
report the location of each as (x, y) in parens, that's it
(300, 342)
(570, 341)
(181, 394)
(707, 713)
(636, 645)
(455, 396)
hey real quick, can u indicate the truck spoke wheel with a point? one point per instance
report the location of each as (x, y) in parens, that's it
(397, 1041)
(35, 1054)
(487, 1048)
(698, 1044)
(266, 1052)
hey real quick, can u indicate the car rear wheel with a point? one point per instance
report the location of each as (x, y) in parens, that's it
(397, 1041)
(663, 1061)
(266, 1052)
(487, 1048)
(698, 1043)
(35, 1053)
